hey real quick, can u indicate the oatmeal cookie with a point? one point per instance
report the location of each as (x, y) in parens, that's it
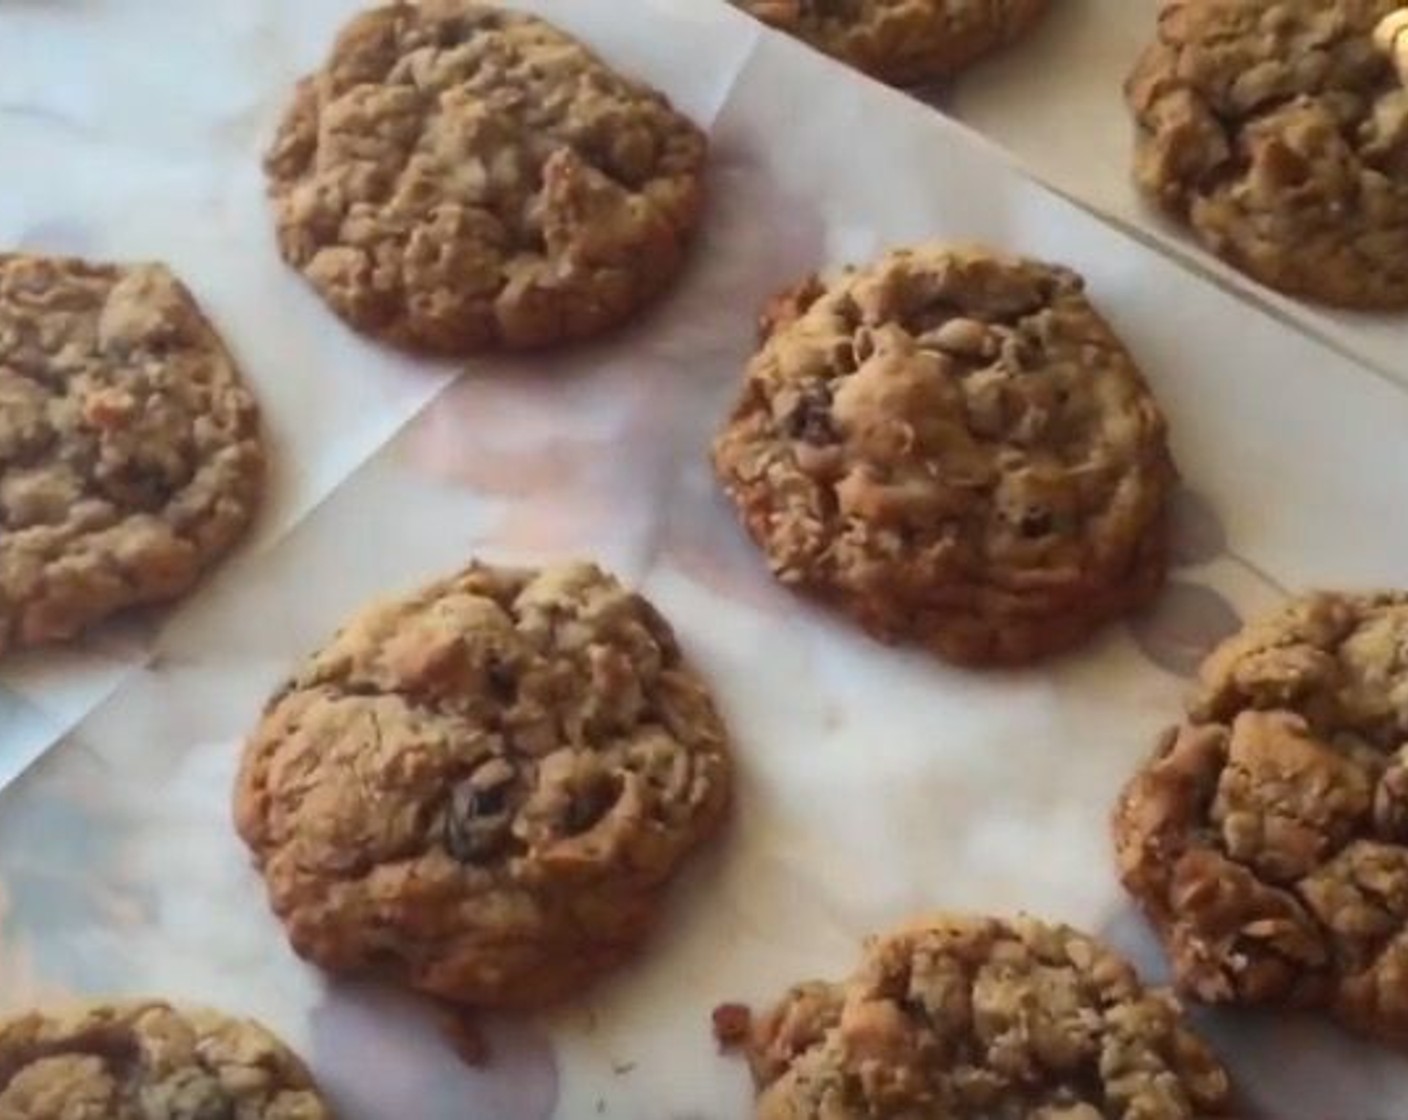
(954, 448)
(130, 455)
(144, 1060)
(1267, 839)
(1279, 133)
(459, 177)
(482, 789)
(903, 42)
(958, 1018)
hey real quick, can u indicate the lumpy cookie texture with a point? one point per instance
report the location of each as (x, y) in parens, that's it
(483, 789)
(459, 177)
(901, 41)
(957, 1018)
(1267, 838)
(130, 455)
(955, 449)
(144, 1060)
(1279, 132)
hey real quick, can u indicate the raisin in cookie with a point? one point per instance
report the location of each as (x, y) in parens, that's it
(144, 1060)
(957, 1018)
(459, 177)
(130, 456)
(1267, 838)
(1279, 132)
(955, 449)
(482, 789)
(904, 42)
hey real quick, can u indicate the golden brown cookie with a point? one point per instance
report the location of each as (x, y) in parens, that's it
(953, 448)
(960, 1018)
(144, 1060)
(130, 455)
(458, 177)
(1279, 133)
(482, 789)
(1267, 838)
(903, 42)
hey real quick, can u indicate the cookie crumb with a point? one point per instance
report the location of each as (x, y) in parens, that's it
(732, 1024)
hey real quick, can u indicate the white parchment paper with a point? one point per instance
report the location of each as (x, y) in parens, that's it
(872, 783)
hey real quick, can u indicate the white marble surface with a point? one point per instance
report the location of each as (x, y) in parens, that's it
(873, 783)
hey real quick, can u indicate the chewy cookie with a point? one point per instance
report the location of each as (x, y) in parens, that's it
(1279, 133)
(957, 1018)
(904, 42)
(130, 456)
(954, 448)
(1267, 839)
(458, 177)
(482, 789)
(144, 1060)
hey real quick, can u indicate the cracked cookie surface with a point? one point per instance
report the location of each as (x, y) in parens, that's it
(144, 1060)
(459, 177)
(955, 449)
(130, 455)
(962, 1018)
(482, 789)
(904, 42)
(1279, 133)
(1267, 839)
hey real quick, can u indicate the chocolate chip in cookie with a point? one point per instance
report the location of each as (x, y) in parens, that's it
(952, 447)
(130, 453)
(965, 1018)
(1267, 838)
(482, 789)
(1279, 133)
(458, 177)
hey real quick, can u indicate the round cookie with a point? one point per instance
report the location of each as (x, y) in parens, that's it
(958, 1018)
(1267, 838)
(130, 455)
(460, 177)
(1279, 133)
(482, 789)
(953, 448)
(144, 1060)
(903, 42)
